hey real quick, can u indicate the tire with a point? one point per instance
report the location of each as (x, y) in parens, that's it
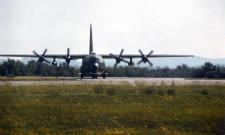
(81, 76)
(94, 76)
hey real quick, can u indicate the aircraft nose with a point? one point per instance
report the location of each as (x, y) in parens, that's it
(95, 67)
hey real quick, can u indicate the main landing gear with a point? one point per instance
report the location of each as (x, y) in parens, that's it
(94, 76)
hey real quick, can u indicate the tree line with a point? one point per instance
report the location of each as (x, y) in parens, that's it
(32, 68)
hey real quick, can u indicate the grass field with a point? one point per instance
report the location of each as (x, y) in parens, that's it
(112, 110)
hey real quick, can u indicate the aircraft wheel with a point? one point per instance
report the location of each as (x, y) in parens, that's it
(81, 76)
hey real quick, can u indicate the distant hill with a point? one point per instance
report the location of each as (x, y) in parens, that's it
(192, 62)
(157, 62)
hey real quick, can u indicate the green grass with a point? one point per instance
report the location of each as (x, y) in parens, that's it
(112, 109)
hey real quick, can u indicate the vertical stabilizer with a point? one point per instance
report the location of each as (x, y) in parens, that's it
(91, 41)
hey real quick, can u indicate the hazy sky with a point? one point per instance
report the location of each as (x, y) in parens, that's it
(166, 26)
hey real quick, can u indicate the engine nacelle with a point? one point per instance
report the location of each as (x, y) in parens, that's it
(131, 63)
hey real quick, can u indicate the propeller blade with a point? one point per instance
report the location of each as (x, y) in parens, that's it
(145, 57)
(68, 52)
(44, 52)
(68, 58)
(126, 61)
(119, 58)
(115, 65)
(35, 53)
(41, 58)
(142, 54)
(121, 52)
(150, 53)
(139, 62)
(150, 64)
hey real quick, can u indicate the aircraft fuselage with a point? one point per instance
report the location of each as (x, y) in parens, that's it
(93, 65)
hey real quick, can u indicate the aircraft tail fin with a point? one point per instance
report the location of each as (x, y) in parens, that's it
(91, 41)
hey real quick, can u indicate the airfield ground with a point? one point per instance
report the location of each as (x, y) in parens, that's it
(111, 80)
(111, 108)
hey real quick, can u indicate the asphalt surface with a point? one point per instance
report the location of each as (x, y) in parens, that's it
(119, 80)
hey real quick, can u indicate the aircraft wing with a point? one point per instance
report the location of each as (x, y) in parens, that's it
(56, 56)
(81, 56)
(17, 55)
(169, 55)
(140, 56)
(143, 58)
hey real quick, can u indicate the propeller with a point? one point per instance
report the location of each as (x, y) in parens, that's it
(41, 58)
(54, 63)
(119, 58)
(144, 58)
(68, 57)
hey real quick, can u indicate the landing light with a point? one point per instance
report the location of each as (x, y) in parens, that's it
(96, 64)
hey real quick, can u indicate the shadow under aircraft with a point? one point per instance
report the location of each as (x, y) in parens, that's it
(93, 64)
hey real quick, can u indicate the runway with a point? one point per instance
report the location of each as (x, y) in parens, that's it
(112, 80)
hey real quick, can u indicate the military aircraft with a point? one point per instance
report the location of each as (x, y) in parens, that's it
(93, 64)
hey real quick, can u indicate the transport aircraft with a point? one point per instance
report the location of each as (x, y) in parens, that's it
(93, 64)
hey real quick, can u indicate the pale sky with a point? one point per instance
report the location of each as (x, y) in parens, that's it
(166, 26)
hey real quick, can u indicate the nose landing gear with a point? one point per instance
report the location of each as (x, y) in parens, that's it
(94, 76)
